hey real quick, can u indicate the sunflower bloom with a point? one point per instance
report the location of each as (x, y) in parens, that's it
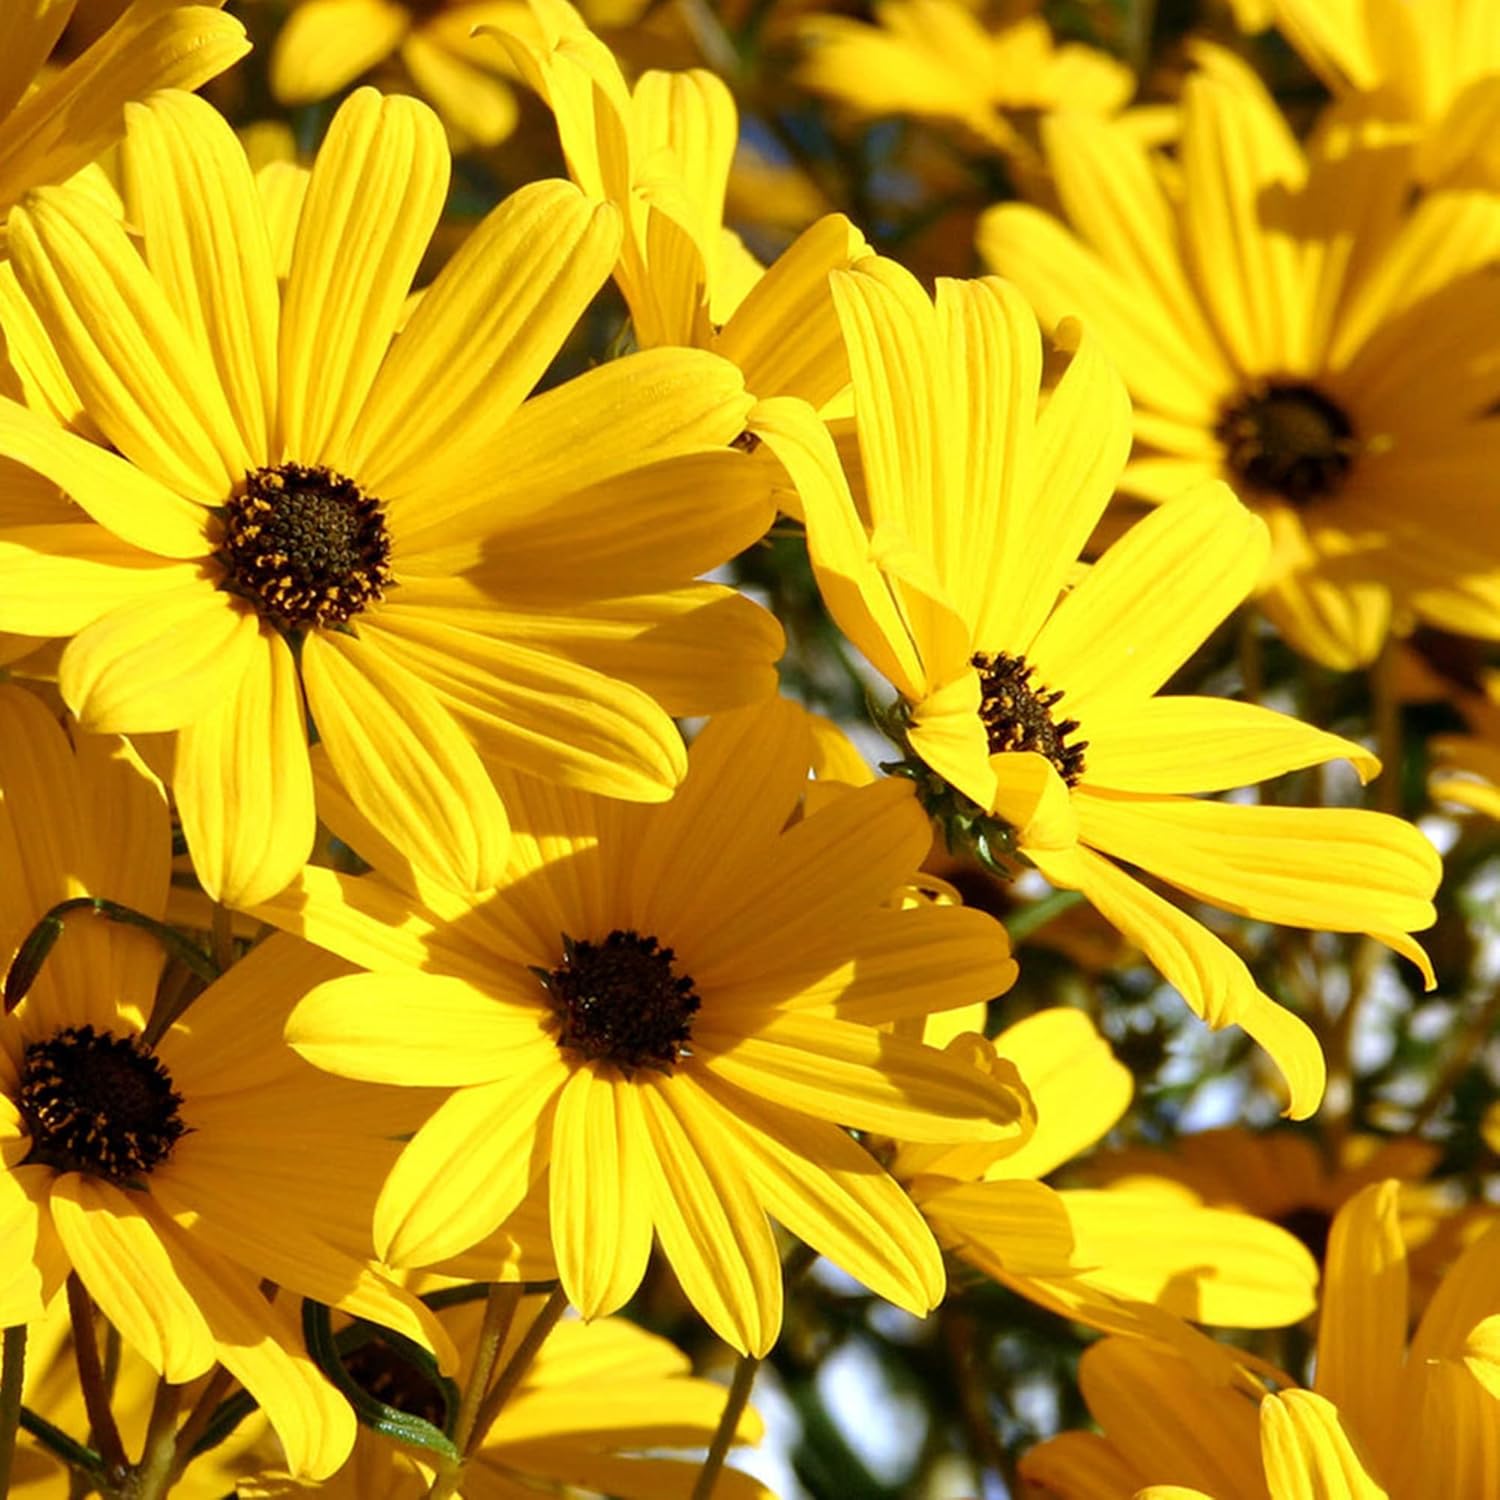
(596, 1410)
(325, 45)
(208, 1170)
(55, 126)
(454, 578)
(1347, 397)
(669, 1012)
(1398, 1418)
(1040, 712)
(661, 152)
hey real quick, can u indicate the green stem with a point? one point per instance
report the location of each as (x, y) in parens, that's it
(729, 1421)
(501, 1304)
(153, 1476)
(517, 1366)
(1031, 919)
(12, 1372)
(104, 1434)
(198, 1419)
(42, 938)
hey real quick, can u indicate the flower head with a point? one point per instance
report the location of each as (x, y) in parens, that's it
(1349, 399)
(1029, 708)
(303, 504)
(668, 1013)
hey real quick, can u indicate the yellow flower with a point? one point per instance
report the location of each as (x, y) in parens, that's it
(172, 1174)
(944, 60)
(325, 45)
(661, 153)
(300, 504)
(51, 128)
(1292, 323)
(1041, 713)
(1411, 1420)
(1129, 1260)
(670, 1011)
(600, 1408)
(1433, 67)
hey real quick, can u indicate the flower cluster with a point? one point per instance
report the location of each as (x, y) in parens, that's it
(687, 689)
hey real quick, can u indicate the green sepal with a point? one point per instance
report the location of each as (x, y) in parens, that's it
(402, 1427)
(40, 941)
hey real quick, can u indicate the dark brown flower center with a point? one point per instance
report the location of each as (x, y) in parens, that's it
(97, 1103)
(1017, 714)
(1289, 440)
(305, 546)
(622, 1001)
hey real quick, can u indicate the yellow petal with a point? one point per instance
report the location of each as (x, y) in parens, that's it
(466, 1170)
(138, 509)
(711, 1227)
(36, 1264)
(260, 1343)
(1021, 1228)
(1337, 868)
(532, 710)
(871, 1080)
(147, 383)
(1206, 745)
(56, 580)
(599, 1190)
(404, 762)
(854, 589)
(376, 192)
(158, 662)
(1208, 1265)
(482, 336)
(1307, 1453)
(1362, 1328)
(325, 45)
(1079, 1089)
(243, 784)
(785, 335)
(191, 192)
(67, 122)
(117, 1250)
(1152, 598)
(1034, 800)
(1213, 980)
(831, 1193)
(477, 106)
(421, 1030)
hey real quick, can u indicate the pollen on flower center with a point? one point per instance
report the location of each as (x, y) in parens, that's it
(97, 1103)
(622, 1001)
(306, 546)
(1290, 440)
(1017, 714)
